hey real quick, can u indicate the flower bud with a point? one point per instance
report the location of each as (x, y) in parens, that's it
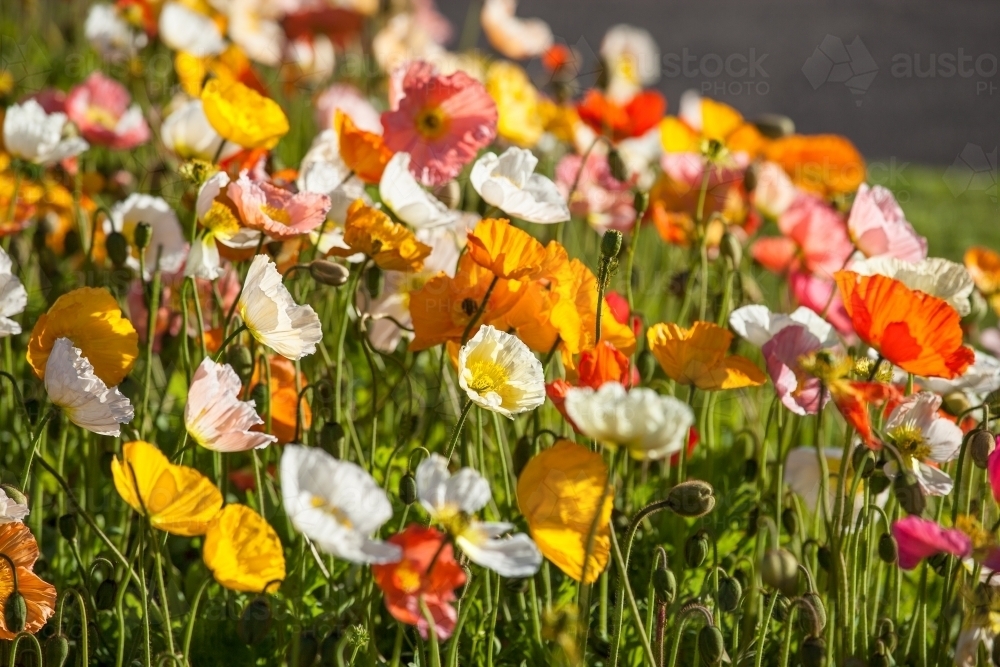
(331, 439)
(691, 499)
(255, 621)
(781, 607)
(863, 461)
(812, 653)
(696, 549)
(955, 403)
(774, 126)
(142, 235)
(887, 549)
(779, 569)
(640, 202)
(197, 171)
(664, 584)
(104, 597)
(617, 166)
(374, 281)
(14, 494)
(116, 246)
(56, 651)
(750, 469)
(32, 409)
(15, 612)
(818, 621)
(824, 557)
(731, 249)
(710, 645)
(908, 493)
(611, 244)
(729, 594)
(67, 527)
(329, 273)
(408, 489)
(981, 445)
(261, 397)
(516, 586)
(978, 308)
(877, 484)
(790, 521)
(939, 563)
(750, 177)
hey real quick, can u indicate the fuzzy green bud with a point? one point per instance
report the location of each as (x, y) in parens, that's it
(104, 596)
(640, 201)
(730, 592)
(696, 549)
(693, 498)
(238, 356)
(408, 488)
(611, 244)
(664, 584)
(329, 273)
(779, 569)
(15, 612)
(906, 488)
(331, 439)
(812, 653)
(142, 235)
(863, 461)
(14, 494)
(67, 527)
(955, 403)
(731, 249)
(710, 645)
(56, 651)
(818, 620)
(790, 521)
(617, 166)
(887, 549)
(981, 445)
(116, 246)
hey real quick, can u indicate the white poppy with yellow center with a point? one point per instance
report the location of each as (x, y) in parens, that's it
(272, 316)
(500, 373)
(923, 438)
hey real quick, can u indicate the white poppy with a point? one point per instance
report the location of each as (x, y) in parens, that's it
(214, 414)
(804, 476)
(314, 58)
(110, 34)
(979, 379)
(10, 509)
(510, 183)
(452, 501)
(187, 133)
(649, 425)
(166, 234)
(253, 26)
(516, 38)
(920, 434)
(336, 504)
(632, 59)
(183, 29)
(85, 400)
(272, 317)
(400, 191)
(13, 297)
(967, 647)
(499, 373)
(35, 136)
(935, 276)
(774, 191)
(757, 324)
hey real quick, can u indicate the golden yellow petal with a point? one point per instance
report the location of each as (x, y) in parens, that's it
(243, 551)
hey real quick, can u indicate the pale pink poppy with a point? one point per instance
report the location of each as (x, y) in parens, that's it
(820, 295)
(600, 198)
(215, 417)
(441, 121)
(879, 227)
(814, 239)
(100, 108)
(275, 211)
(918, 539)
(434, 23)
(799, 392)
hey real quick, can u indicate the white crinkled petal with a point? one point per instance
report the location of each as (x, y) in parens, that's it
(85, 400)
(406, 198)
(272, 316)
(516, 556)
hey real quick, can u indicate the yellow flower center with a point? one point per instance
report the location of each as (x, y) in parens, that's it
(487, 376)
(455, 521)
(432, 123)
(335, 512)
(826, 366)
(407, 578)
(970, 525)
(628, 68)
(276, 214)
(221, 220)
(909, 441)
(102, 117)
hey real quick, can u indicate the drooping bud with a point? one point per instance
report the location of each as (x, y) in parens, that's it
(375, 281)
(774, 126)
(15, 612)
(255, 621)
(813, 652)
(32, 409)
(908, 494)
(790, 521)
(819, 614)
(329, 273)
(730, 593)
(887, 549)
(408, 488)
(779, 569)
(142, 235)
(939, 563)
(877, 484)
(696, 549)
(664, 584)
(14, 494)
(640, 201)
(617, 166)
(824, 557)
(710, 645)
(104, 597)
(56, 650)
(691, 499)
(611, 244)
(981, 445)
(863, 461)
(67, 527)
(955, 403)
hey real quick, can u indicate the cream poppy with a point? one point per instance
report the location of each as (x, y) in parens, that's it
(110, 34)
(216, 417)
(774, 191)
(31, 134)
(400, 191)
(632, 59)
(183, 29)
(84, 399)
(920, 435)
(933, 275)
(187, 134)
(757, 324)
(166, 234)
(500, 373)
(13, 297)
(510, 183)
(10, 509)
(272, 317)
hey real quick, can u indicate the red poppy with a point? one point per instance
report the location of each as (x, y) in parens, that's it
(426, 572)
(622, 121)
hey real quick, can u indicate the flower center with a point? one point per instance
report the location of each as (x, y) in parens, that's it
(432, 122)
(407, 578)
(276, 214)
(101, 116)
(970, 526)
(487, 376)
(220, 219)
(453, 520)
(628, 68)
(335, 512)
(826, 366)
(909, 440)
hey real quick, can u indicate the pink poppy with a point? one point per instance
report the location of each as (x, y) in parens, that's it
(918, 539)
(815, 292)
(879, 228)
(276, 211)
(993, 470)
(215, 417)
(814, 239)
(441, 121)
(799, 392)
(100, 107)
(600, 198)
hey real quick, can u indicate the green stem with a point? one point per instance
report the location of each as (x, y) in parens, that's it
(480, 309)
(456, 433)
(192, 617)
(623, 584)
(33, 449)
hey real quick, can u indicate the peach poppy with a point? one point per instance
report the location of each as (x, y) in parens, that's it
(505, 250)
(984, 267)
(275, 211)
(814, 238)
(622, 121)
(826, 164)
(283, 400)
(19, 546)
(698, 356)
(918, 332)
(390, 245)
(426, 574)
(364, 153)
(101, 110)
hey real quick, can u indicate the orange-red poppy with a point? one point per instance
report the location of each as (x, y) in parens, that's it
(826, 164)
(920, 333)
(698, 356)
(365, 153)
(622, 121)
(284, 398)
(984, 266)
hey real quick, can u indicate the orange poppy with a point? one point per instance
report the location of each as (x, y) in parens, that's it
(698, 356)
(984, 266)
(389, 244)
(920, 333)
(19, 545)
(284, 398)
(575, 314)
(505, 250)
(365, 153)
(826, 164)
(605, 363)
(622, 121)
(673, 205)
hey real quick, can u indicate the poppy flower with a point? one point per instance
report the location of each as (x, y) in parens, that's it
(574, 314)
(922, 438)
(758, 325)
(797, 391)
(427, 574)
(283, 404)
(619, 121)
(631, 60)
(33, 135)
(698, 356)
(520, 119)
(166, 236)
(932, 275)
(275, 211)
(702, 119)
(242, 115)
(918, 332)
(92, 321)
(441, 121)
(13, 297)
(562, 492)
(390, 245)
(919, 538)
(215, 416)
(11, 509)
(187, 134)
(984, 267)
(774, 191)
(879, 228)
(365, 153)
(85, 400)
(514, 37)
(411, 203)
(20, 548)
(814, 239)
(177, 499)
(184, 29)
(100, 109)
(272, 317)
(510, 183)
(599, 198)
(804, 476)
(498, 372)
(825, 164)
(505, 250)
(243, 552)
(604, 363)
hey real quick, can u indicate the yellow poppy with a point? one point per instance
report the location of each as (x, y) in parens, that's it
(177, 499)
(91, 319)
(243, 551)
(392, 246)
(507, 251)
(519, 118)
(719, 122)
(559, 493)
(242, 115)
(365, 153)
(698, 356)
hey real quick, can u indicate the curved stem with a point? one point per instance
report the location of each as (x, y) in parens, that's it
(84, 634)
(480, 310)
(33, 448)
(456, 433)
(189, 629)
(34, 641)
(623, 583)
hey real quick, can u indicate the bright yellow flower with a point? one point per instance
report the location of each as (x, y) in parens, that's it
(559, 493)
(91, 319)
(177, 499)
(520, 120)
(719, 122)
(698, 356)
(561, 120)
(243, 551)
(392, 246)
(242, 115)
